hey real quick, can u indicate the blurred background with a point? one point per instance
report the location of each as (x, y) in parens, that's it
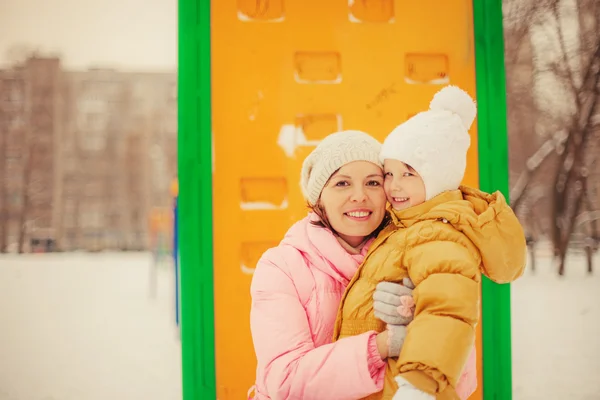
(88, 166)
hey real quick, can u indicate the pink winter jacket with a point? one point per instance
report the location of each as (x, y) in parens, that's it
(296, 291)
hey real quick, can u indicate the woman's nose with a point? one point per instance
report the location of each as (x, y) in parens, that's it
(358, 194)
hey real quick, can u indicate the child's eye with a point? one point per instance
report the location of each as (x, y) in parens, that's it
(388, 174)
(407, 174)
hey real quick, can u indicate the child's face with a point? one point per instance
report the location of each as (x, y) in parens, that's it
(403, 186)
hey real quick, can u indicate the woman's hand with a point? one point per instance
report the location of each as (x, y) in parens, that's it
(390, 341)
(382, 344)
(393, 302)
(394, 305)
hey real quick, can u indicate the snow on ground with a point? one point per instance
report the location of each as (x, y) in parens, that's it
(556, 332)
(84, 327)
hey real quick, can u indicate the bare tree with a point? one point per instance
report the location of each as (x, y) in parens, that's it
(3, 145)
(522, 112)
(24, 215)
(571, 178)
(550, 170)
(536, 146)
(36, 146)
(29, 188)
(518, 17)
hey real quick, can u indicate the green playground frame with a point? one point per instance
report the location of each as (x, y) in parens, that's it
(195, 195)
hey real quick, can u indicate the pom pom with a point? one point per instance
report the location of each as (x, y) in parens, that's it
(457, 101)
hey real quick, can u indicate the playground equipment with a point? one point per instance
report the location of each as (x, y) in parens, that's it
(177, 281)
(260, 82)
(160, 232)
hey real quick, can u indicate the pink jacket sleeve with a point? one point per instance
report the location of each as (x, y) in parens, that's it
(467, 384)
(289, 364)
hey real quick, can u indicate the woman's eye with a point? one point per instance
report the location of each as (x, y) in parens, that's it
(388, 174)
(374, 183)
(342, 183)
(407, 174)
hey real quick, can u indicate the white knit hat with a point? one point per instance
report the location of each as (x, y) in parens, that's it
(331, 154)
(435, 142)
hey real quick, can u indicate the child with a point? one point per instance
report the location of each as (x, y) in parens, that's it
(442, 236)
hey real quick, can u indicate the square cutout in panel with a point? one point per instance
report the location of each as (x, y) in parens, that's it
(263, 193)
(251, 253)
(426, 69)
(315, 127)
(318, 67)
(260, 10)
(371, 11)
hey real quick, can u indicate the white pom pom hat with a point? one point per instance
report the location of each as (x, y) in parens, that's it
(435, 142)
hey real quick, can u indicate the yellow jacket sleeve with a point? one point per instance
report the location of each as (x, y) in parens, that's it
(442, 334)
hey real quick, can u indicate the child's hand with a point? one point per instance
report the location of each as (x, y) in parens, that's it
(393, 302)
(406, 391)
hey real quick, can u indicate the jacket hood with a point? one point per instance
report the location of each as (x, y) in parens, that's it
(486, 219)
(321, 249)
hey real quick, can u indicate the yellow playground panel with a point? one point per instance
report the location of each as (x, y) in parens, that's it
(285, 73)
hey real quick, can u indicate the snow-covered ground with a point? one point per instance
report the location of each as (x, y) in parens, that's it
(556, 332)
(84, 327)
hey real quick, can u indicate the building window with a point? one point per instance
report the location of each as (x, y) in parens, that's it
(91, 217)
(69, 220)
(15, 121)
(15, 93)
(15, 199)
(93, 142)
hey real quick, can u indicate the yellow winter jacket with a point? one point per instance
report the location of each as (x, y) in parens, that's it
(443, 245)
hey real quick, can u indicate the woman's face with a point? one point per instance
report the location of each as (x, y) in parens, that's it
(354, 201)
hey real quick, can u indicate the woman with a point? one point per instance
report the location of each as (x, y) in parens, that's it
(298, 285)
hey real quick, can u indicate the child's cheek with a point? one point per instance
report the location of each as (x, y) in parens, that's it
(386, 189)
(388, 197)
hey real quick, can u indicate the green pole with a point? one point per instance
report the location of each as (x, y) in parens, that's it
(493, 175)
(195, 201)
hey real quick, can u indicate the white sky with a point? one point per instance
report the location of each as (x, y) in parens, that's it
(124, 34)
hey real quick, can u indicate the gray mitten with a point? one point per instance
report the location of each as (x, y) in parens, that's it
(393, 303)
(396, 336)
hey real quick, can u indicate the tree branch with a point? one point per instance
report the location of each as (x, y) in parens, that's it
(564, 55)
(533, 163)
